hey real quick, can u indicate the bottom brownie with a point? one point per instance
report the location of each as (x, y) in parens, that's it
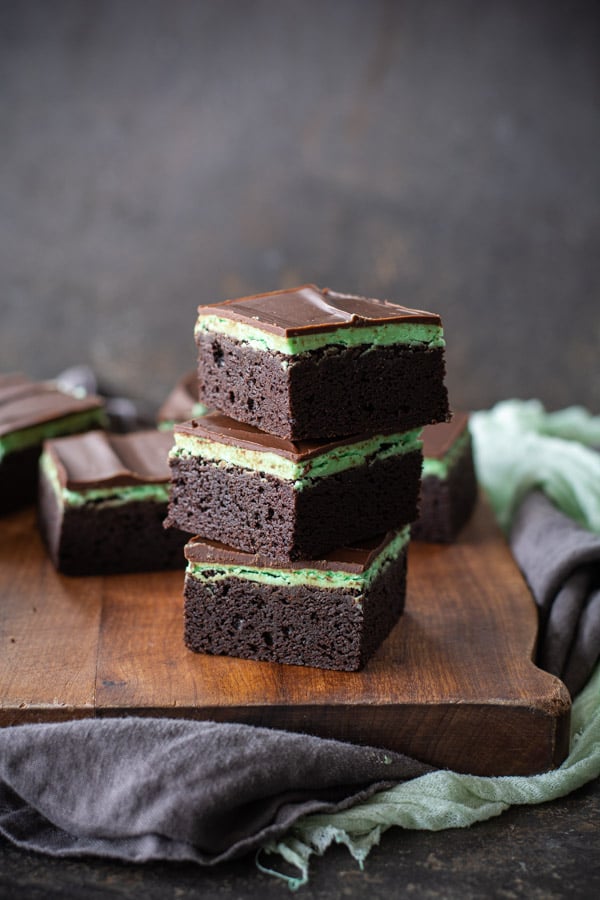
(331, 614)
(449, 483)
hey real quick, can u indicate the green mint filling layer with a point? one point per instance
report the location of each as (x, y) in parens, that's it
(409, 333)
(440, 468)
(35, 434)
(301, 474)
(113, 496)
(209, 572)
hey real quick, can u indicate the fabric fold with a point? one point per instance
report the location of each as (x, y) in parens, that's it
(561, 563)
(519, 447)
(143, 789)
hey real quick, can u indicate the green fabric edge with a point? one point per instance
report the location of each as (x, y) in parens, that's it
(518, 446)
(442, 799)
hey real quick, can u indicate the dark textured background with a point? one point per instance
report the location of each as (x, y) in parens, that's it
(158, 154)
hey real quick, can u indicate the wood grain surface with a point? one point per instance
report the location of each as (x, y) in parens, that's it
(453, 685)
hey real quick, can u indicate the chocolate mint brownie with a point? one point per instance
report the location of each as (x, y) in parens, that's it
(331, 613)
(30, 412)
(182, 403)
(233, 483)
(449, 483)
(103, 499)
(311, 364)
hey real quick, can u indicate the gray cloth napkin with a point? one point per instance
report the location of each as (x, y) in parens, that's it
(561, 562)
(168, 789)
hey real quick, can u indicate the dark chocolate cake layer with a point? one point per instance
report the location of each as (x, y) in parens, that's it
(19, 479)
(323, 393)
(107, 539)
(331, 628)
(260, 513)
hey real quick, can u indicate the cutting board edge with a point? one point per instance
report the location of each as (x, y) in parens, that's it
(552, 698)
(540, 745)
(39, 714)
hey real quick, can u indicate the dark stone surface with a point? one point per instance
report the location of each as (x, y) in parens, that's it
(545, 852)
(158, 154)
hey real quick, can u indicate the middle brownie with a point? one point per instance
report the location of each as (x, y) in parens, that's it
(233, 483)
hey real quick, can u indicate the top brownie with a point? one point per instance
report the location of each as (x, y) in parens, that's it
(311, 363)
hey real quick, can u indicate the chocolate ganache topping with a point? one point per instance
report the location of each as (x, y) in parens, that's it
(98, 460)
(222, 429)
(306, 309)
(25, 403)
(355, 558)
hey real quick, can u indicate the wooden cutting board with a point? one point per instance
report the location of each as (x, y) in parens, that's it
(453, 685)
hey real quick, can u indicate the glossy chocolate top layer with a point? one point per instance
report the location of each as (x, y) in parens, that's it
(223, 430)
(438, 439)
(310, 309)
(356, 558)
(98, 460)
(25, 403)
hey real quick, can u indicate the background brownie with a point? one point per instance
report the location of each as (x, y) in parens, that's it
(259, 493)
(30, 412)
(103, 499)
(310, 363)
(182, 403)
(449, 483)
(331, 613)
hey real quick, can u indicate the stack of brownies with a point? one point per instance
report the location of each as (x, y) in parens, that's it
(301, 487)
